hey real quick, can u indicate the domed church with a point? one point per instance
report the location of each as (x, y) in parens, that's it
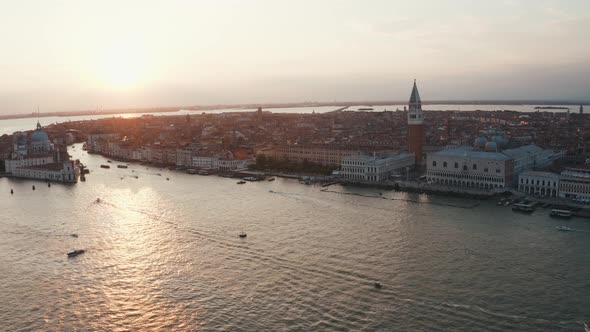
(39, 158)
(40, 142)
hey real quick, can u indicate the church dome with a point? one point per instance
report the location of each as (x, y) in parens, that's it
(491, 146)
(500, 140)
(479, 142)
(39, 136)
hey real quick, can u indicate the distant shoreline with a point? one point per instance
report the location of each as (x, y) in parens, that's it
(544, 104)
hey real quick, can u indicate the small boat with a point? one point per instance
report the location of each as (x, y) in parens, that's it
(158, 174)
(167, 179)
(522, 207)
(98, 200)
(76, 252)
(243, 235)
(561, 213)
(11, 191)
(271, 179)
(33, 187)
(105, 166)
(241, 182)
(499, 203)
(108, 161)
(121, 166)
(564, 229)
(250, 178)
(377, 285)
(74, 235)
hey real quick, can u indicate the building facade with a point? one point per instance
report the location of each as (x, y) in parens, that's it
(575, 183)
(484, 167)
(326, 155)
(373, 168)
(539, 183)
(467, 167)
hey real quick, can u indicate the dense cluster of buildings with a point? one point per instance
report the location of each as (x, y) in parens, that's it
(542, 152)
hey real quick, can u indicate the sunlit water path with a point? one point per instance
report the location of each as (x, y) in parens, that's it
(166, 255)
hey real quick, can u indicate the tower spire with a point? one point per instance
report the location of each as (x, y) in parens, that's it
(415, 124)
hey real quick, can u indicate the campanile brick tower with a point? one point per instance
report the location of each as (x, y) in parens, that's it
(415, 125)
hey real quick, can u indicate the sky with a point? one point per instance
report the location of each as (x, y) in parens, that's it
(79, 55)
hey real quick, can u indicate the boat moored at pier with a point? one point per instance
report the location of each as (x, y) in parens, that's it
(556, 213)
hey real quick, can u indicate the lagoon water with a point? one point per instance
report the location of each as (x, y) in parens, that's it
(165, 255)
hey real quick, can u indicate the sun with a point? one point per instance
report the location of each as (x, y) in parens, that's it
(121, 67)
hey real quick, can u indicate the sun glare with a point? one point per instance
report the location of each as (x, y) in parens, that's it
(121, 68)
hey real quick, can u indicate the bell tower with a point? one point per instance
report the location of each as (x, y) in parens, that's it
(415, 125)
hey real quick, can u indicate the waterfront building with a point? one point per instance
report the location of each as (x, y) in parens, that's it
(202, 161)
(575, 183)
(184, 156)
(469, 167)
(328, 155)
(39, 158)
(375, 168)
(415, 125)
(530, 157)
(485, 166)
(539, 183)
(225, 162)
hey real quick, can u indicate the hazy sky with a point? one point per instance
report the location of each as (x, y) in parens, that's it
(70, 55)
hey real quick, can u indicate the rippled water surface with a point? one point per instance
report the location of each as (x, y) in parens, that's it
(165, 255)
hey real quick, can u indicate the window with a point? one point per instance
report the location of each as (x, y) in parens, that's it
(485, 169)
(497, 170)
(474, 166)
(445, 164)
(456, 165)
(464, 167)
(434, 163)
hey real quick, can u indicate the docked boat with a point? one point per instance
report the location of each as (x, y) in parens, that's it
(122, 166)
(241, 182)
(586, 328)
(243, 235)
(271, 179)
(564, 229)
(105, 166)
(192, 171)
(250, 178)
(109, 161)
(76, 252)
(523, 207)
(561, 213)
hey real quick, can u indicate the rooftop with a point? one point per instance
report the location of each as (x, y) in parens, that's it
(469, 152)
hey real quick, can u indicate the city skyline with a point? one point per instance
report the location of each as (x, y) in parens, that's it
(71, 56)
